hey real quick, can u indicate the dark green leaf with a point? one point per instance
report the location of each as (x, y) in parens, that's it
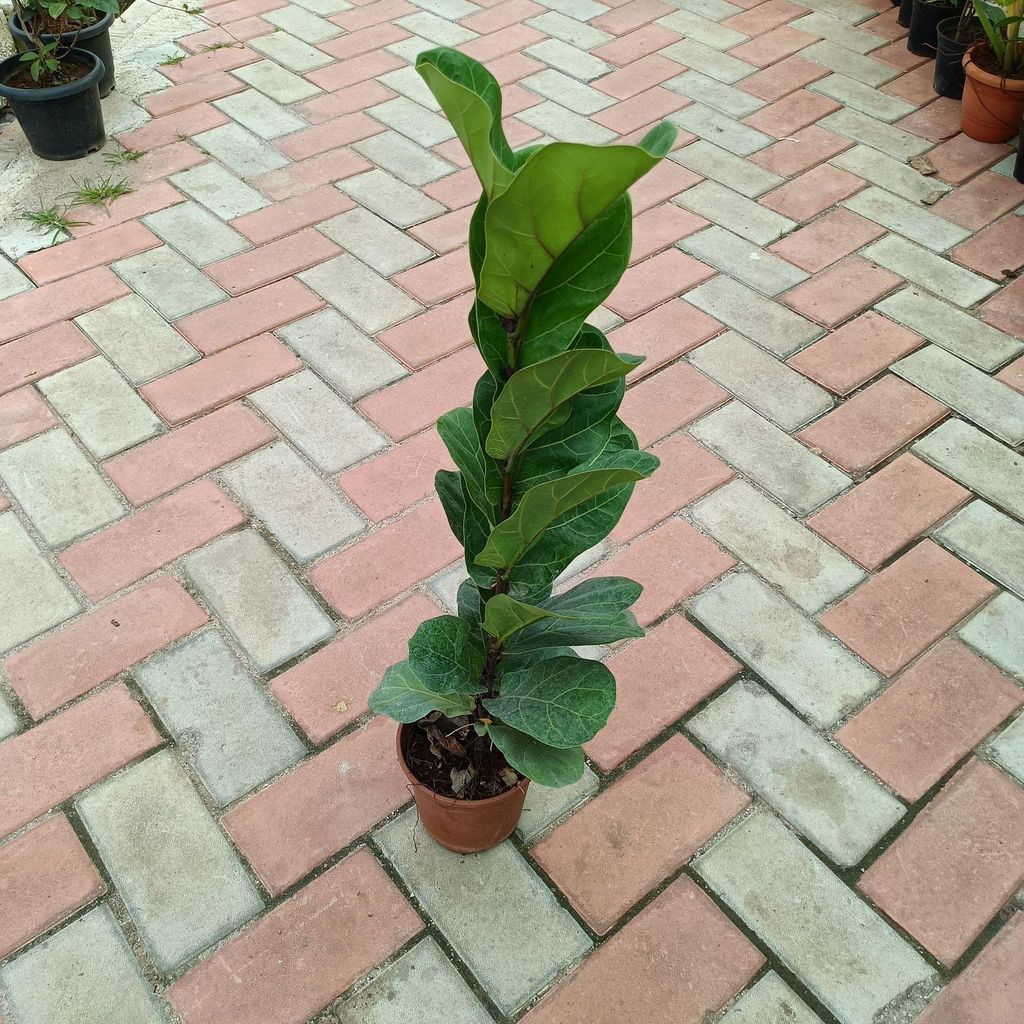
(533, 397)
(471, 99)
(481, 475)
(445, 655)
(469, 603)
(449, 489)
(544, 504)
(547, 766)
(504, 616)
(558, 192)
(561, 701)
(404, 697)
(594, 612)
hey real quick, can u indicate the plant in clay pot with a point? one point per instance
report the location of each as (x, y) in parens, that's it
(53, 90)
(81, 23)
(495, 696)
(993, 102)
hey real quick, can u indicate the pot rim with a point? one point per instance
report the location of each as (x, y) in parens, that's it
(89, 32)
(451, 801)
(51, 92)
(979, 74)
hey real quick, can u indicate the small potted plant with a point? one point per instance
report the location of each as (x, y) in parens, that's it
(924, 21)
(993, 101)
(53, 91)
(84, 24)
(953, 37)
(495, 696)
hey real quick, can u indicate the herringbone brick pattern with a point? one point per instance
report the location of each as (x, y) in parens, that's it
(217, 529)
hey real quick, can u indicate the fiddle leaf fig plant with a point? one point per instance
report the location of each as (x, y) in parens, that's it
(544, 465)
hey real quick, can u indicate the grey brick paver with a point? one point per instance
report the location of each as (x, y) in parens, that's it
(712, 93)
(997, 632)
(57, 487)
(888, 173)
(277, 82)
(241, 151)
(767, 539)
(317, 421)
(905, 218)
(544, 805)
(220, 191)
(180, 879)
(822, 792)
(258, 600)
(168, 282)
(504, 923)
(196, 233)
(939, 276)
(695, 55)
(868, 70)
(728, 134)
(760, 380)
(857, 96)
(291, 53)
(100, 979)
(780, 465)
(553, 85)
(718, 164)
(742, 260)
(826, 27)
(734, 212)
(410, 119)
(812, 671)
(770, 1001)
(303, 24)
(231, 733)
(306, 515)
(33, 597)
(260, 114)
(570, 59)
(1008, 749)
(984, 537)
(373, 240)
(392, 199)
(888, 139)
(100, 407)
(840, 948)
(403, 158)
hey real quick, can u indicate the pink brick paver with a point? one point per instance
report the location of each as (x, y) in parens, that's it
(962, 858)
(930, 717)
(45, 876)
(894, 616)
(655, 971)
(284, 116)
(103, 642)
(639, 831)
(304, 953)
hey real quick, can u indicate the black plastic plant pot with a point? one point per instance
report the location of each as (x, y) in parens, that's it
(61, 122)
(949, 59)
(1018, 164)
(95, 39)
(906, 12)
(924, 23)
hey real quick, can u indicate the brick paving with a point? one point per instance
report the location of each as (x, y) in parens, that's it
(217, 528)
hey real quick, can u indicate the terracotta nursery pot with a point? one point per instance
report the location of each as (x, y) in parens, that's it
(993, 106)
(463, 826)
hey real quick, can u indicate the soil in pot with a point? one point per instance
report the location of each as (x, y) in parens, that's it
(95, 38)
(61, 121)
(924, 21)
(992, 105)
(952, 40)
(490, 793)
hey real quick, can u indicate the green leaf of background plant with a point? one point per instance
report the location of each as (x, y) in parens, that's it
(471, 100)
(545, 765)
(533, 397)
(481, 475)
(593, 612)
(582, 278)
(543, 505)
(504, 616)
(560, 701)
(403, 696)
(551, 200)
(445, 655)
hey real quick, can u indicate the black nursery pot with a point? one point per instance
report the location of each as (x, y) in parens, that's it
(924, 23)
(949, 60)
(906, 11)
(95, 39)
(62, 122)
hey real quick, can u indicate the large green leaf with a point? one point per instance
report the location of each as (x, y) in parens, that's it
(561, 701)
(552, 199)
(544, 504)
(547, 766)
(582, 278)
(403, 696)
(471, 99)
(446, 656)
(449, 489)
(481, 475)
(535, 397)
(594, 612)
(504, 616)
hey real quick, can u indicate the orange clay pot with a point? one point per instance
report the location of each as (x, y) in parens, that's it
(463, 826)
(992, 106)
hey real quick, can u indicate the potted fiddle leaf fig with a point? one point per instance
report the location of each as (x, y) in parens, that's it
(993, 102)
(495, 696)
